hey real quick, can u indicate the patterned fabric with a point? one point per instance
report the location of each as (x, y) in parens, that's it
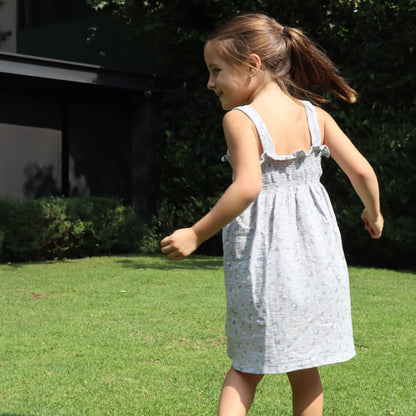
(288, 301)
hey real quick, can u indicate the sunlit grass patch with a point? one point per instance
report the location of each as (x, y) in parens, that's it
(135, 335)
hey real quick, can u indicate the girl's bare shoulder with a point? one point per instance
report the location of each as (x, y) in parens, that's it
(323, 118)
(236, 122)
(235, 116)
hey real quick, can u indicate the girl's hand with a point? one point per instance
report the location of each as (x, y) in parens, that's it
(180, 244)
(373, 226)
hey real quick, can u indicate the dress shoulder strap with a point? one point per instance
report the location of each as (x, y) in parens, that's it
(313, 123)
(266, 140)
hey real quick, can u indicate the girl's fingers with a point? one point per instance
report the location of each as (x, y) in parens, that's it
(169, 250)
(165, 241)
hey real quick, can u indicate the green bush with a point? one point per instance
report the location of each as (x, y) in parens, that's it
(389, 143)
(372, 42)
(55, 228)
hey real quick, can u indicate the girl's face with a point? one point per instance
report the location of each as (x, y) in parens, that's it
(231, 83)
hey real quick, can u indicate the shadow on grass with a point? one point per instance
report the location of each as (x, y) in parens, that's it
(13, 414)
(13, 266)
(158, 262)
(138, 261)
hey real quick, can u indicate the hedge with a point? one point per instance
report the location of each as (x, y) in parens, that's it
(56, 228)
(373, 44)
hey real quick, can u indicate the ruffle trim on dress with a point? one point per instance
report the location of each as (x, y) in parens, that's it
(226, 157)
(299, 154)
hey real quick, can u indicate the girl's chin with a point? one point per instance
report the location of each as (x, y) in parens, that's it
(225, 106)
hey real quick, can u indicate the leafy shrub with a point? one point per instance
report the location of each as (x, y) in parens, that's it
(54, 228)
(170, 217)
(390, 148)
(373, 43)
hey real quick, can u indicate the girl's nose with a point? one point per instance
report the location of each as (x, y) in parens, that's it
(210, 83)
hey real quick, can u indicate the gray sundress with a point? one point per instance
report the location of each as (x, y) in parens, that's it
(287, 287)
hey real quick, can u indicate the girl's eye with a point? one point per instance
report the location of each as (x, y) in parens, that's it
(216, 71)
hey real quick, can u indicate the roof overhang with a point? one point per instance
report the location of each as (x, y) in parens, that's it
(76, 73)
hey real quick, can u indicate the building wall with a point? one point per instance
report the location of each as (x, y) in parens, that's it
(30, 144)
(71, 30)
(76, 141)
(83, 128)
(99, 145)
(8, 23)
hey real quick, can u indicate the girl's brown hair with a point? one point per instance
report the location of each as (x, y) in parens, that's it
(292, 59)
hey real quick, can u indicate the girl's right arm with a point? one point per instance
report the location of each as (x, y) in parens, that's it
(358, 170)
(243, 145)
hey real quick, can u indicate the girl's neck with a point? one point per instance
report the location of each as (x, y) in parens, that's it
(269, 92)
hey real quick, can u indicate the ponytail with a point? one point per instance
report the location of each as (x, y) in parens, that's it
(293, 61)
(311, 68)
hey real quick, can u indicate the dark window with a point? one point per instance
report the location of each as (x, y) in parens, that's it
(35, 13)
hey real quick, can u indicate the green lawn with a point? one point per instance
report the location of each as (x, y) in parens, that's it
(135, 335)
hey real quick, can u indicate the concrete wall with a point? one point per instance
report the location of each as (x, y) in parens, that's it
(8, 22)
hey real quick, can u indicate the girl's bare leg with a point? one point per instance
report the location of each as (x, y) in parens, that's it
(307, 393)
(237, 393)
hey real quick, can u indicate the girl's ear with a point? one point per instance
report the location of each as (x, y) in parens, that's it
(254, 64)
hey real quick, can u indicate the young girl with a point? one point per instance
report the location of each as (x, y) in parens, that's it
(288, 302)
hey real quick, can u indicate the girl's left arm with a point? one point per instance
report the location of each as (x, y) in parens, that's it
(244, 147)
(358, 170)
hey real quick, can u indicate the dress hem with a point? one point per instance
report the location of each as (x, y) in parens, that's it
(289, 368)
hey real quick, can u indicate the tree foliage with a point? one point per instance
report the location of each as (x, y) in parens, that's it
(373, 43)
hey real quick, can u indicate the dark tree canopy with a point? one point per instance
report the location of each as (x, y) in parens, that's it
(373, 43)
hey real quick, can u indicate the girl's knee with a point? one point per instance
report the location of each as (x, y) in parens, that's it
(303, 378)
(251, 378)
(307, 396)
